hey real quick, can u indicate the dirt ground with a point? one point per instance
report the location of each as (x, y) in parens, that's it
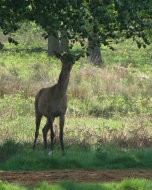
(30, 178)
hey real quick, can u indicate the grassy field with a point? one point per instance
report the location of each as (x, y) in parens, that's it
(128, 184)
(108, 121)
(16, 156)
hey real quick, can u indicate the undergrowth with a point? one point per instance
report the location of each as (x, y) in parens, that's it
(109, 105)
(127, 184)
(20, 156)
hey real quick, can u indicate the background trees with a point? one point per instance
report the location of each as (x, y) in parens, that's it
(12, 13)
(108, 104)
(68, 22)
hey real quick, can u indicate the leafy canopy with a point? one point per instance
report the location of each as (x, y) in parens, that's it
(110, 20)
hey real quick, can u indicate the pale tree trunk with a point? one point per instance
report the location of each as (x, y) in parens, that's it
(53, 45)
(64, 43)
(94, 51)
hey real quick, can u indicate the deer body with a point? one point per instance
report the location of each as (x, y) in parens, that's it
(50, 107)
(51, 102)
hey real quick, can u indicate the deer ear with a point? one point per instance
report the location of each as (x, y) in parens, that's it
(57, 54)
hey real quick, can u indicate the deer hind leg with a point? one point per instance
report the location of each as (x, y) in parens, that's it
(56, 134)
(45, 131)
(38, 121)
(49, 125)
(62, 119)
(52, 135)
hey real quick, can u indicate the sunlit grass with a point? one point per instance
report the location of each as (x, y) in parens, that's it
(128, 184)
(127, 54)
(110, 105)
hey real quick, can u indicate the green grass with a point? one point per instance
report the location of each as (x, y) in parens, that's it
(127, 184)
(128, 55)
(107, 107)
(17, 156)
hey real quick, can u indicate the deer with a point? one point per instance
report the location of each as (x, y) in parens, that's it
(51, 102)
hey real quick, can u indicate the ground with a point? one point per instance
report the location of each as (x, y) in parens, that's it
(30, 178)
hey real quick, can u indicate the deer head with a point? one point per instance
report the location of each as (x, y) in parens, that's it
(68, 57)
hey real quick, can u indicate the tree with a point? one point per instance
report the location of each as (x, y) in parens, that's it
(58, 43)
(94, 51)
(60, 20)
(53, 45)
(100, 21)
(135, 21)
(11, 14)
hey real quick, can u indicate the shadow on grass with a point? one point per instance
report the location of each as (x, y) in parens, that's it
(19, 156)
(26, 50)
(8, 149)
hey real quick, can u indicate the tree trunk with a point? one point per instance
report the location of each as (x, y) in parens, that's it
(94, 50)
(53, 45)
(64, 43)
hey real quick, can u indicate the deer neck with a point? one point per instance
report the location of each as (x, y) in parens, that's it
(63, 81)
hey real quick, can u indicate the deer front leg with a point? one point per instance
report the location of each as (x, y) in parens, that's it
(49, 125)
(62, 119)
(45, 131)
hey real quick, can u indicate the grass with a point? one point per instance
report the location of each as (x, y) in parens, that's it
(127, 184)
(17, 156)
(108, 106)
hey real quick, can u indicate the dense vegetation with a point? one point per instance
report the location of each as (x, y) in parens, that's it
(108, 122)
(100, 22)
(137, 184)
(107, 106)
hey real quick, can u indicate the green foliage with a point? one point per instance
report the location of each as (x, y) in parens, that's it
(108, 106)
(20, 106)
(128, 55)
(111, 20)
(108, 113)
(127, 184)
(7, 186)
(101, 152)
(47, 186)
(114, 102)
(70, 185)
(8, 149)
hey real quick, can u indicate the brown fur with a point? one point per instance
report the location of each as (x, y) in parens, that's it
(51, 102)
